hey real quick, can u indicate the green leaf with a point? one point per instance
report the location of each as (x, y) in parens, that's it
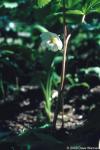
(40, 28)
(76, 12)
(91, 6)
(90, 70)
(70, 12)
(6, 52)
(2, 92)
(44, 126)
(97, 10)
(72, 4)
(43, 3)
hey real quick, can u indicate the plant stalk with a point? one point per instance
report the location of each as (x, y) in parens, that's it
(60, 101)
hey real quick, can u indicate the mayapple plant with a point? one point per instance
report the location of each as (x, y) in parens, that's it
(52, 41)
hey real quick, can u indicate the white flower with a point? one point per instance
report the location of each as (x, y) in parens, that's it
(51, 41)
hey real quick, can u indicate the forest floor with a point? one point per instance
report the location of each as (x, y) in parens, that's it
(81, 118)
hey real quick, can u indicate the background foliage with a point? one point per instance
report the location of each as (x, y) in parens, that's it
(24, 63)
